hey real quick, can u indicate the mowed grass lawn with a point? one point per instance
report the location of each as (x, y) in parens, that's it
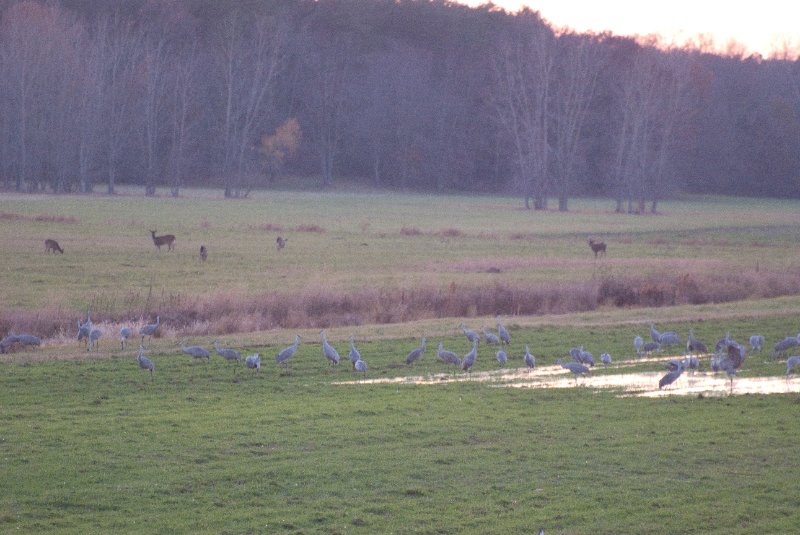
(94, 445)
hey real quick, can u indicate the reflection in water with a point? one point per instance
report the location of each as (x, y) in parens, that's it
(632, 384)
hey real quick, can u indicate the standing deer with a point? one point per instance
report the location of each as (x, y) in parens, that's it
(597, 247)
(166, 239)
(280, 243)
(51, 246)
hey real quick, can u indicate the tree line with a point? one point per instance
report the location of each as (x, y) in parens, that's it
(422, 96)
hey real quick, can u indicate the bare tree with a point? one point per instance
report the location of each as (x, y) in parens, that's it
(524, 79)
(250, 54)
(119, 46)
(579, 62)
(651, 104)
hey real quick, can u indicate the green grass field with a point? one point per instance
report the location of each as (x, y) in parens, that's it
(91, 444)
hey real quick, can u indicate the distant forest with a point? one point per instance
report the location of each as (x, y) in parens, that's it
(418, 95)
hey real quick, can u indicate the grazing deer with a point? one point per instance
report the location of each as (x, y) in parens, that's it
(166, 239)
(280, 243)
(597, 247)
(203, 253)
(51, 246)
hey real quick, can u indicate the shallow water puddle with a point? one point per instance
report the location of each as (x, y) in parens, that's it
(644, 384)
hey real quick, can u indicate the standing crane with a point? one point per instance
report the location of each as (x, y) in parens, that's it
(124, 334)
(196, 351)
(286, 354)
(503, 333)
(575, 367)
(471, 335)
(144, 362)
(328, 351)
(253, 362)
(501, 357)
(415, 354)
(355, 356)
(149, 329)
(469, 359)
(530, 360)
(448, 357)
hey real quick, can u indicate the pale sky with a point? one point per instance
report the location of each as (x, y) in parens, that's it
(760, 26)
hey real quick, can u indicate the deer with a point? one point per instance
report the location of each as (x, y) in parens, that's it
(52, 246)
(166, 239)
(597, 247)
(280, 243)
(203, 253)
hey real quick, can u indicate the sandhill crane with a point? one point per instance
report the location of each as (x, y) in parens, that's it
(144, 362)
(355, 356)
(490, 338)
(649, 347)
(253, 362)
(448, 357)
(605, 358)
(21, 339)
(203, 253)
(471, 335)
(360, 366)
(587, 357)
(654, 334)
(83, 332)
(415, 354)
(502, 332)
(226, 353)
(734, 359)
(124, 334)
(469, 359)
(575, 367)
(787, 343)
(196, 351)
(530, 360)
(669, 338)
(695, 346)
(501, 357)
(94, 338)
(149, 329)
(280, 243)
(85, 329)
(723, 342)
(328, 351)
(287, 353)
(638, 343)
(670, 377)
(756, 342)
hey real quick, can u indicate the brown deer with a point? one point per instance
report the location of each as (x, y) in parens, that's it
(51, 246)
(280, 243)
(597, 247)
(203, 253)
(166, 239)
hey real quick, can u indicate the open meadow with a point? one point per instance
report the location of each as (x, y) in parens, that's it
(92, 443)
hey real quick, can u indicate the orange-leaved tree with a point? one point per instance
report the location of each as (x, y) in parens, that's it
(280, 147)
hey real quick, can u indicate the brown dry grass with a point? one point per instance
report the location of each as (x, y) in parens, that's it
(47, 218)
(322, 307)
